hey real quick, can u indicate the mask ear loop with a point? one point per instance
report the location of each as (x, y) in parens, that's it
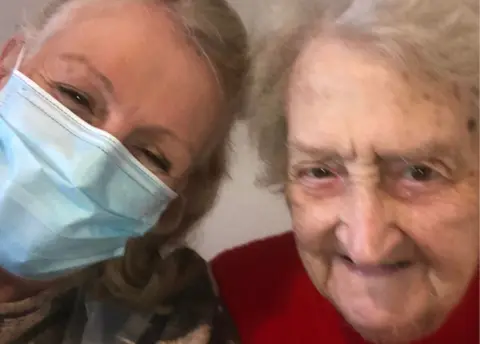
(19, 61)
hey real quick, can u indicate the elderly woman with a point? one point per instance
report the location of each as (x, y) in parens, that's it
(114, 117)
(366, 114)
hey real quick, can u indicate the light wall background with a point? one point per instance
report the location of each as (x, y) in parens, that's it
(243, 212)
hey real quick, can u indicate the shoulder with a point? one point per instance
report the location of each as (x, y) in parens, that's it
(186, 310)
(252, 281)
(254, 256)
(267, 292)
(273, 257)
(243, 274)
(246, 272)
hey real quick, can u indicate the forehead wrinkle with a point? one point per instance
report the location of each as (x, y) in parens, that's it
(425, 151)
(322, 152)
(316, 100)
(329, 51)
(82, 59)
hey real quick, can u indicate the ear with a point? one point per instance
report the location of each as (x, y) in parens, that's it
(9, 56)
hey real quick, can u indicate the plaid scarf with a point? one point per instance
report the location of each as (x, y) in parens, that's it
(194, 315)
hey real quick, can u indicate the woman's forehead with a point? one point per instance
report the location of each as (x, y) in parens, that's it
(130, 44)
(76, 11)
(350, 98)
(140, 57)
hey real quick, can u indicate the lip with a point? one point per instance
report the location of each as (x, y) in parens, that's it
(377, 269)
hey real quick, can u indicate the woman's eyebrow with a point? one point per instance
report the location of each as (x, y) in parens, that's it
(314, 152)
(106, 82)
(423, 151)
(162, 132)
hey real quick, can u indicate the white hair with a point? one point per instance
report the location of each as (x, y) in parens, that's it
(438, 38)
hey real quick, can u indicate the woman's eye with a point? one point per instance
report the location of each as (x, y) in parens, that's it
(79, 98)
(159, 161)
(319, 181)
(315, 175)
(318, 172)
(420, 173)
(412, 181)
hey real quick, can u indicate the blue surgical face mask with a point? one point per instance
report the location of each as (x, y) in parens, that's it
(70, 194)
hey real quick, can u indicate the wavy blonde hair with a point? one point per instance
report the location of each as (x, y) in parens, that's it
(438, 38)
(143, 278)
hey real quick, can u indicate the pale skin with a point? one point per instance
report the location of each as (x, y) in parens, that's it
(383, 189)
(148, 86)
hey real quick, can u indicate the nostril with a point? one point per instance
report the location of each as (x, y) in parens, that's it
(346, 258)
(403, 264)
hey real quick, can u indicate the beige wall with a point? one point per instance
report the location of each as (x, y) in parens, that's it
(243, 212)
(12, 12)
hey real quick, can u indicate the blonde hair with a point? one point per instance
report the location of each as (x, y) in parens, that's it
(143, 278)
(438, 38)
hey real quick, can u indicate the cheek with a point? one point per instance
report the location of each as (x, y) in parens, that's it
(446, 230)
(313, 219)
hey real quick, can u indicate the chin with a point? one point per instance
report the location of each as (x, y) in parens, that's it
(394, 328)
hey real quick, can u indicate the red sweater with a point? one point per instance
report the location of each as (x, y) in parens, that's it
(272, 300)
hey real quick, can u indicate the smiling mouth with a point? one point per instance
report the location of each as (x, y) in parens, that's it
(375, 269)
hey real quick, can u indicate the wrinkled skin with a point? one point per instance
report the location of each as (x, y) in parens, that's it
(383, 189)
(129, 70)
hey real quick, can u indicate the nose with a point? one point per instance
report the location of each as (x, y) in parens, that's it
(368, 233)
(117, 126)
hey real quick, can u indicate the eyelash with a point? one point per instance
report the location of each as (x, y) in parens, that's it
(311, 173)
(84, 100)
(78, 97)
(428, 170)
(307, 175)
(158, 160)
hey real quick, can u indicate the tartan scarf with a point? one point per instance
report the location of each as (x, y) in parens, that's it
(191, 315)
